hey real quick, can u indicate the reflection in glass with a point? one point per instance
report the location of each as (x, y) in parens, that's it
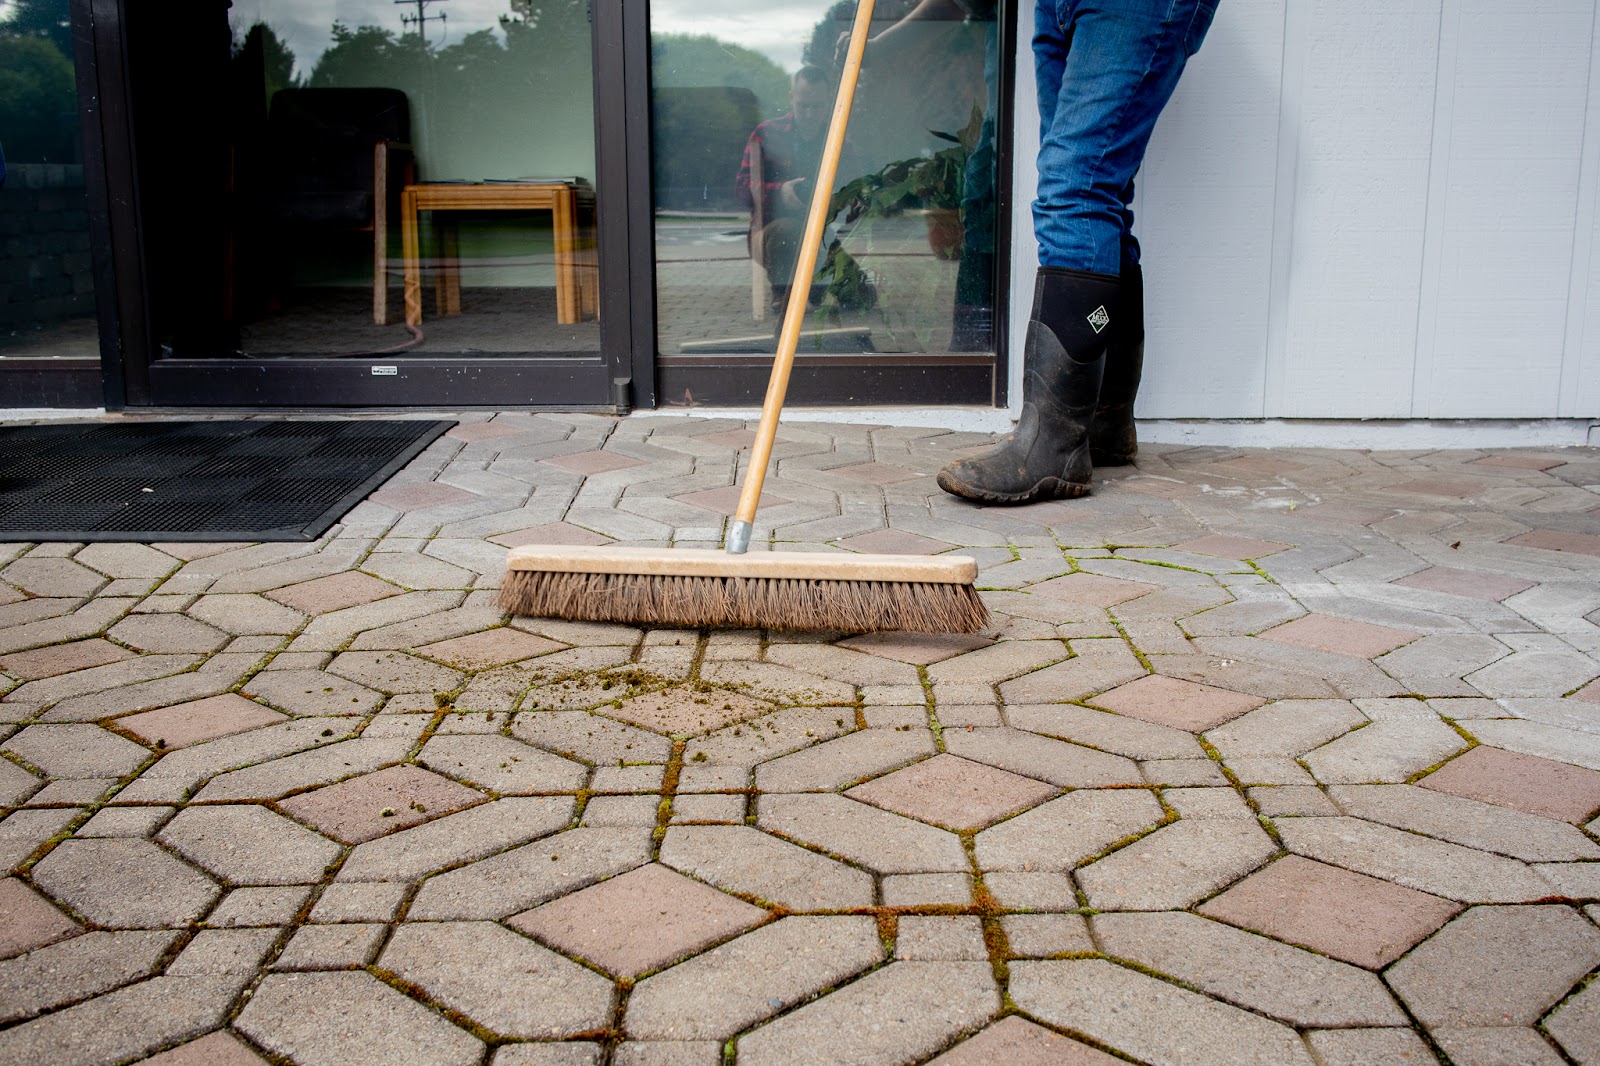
(411, 179)
(46, 277)
(741, 100)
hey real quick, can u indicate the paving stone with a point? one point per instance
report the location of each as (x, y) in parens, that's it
(1429, 865)
(1148, 1018)
(76, 969)
(1176, 865)
(668, 1053)
(589, 737)
(62, 659)
(472, 834)
(918, 649)
(333, 761)
(1370, 1047)
(1496, 1046)
(244, 907)
(29, 921)
(1269, 770)
(198, 720)
(768, 737)
(1576, 1024)
(639, 811)
(838, 762)
(1207, 803)
(16, 784)
(1114, 733)
(943, 938)
(686, 711)
(311, 692)
(1537, 739)
(125, 883)
(1341, 636)
(1030, 755)
(926, 890)
(565, 1054)
(124, 1024)
(729, 988)
(246, 614)
(348, 1019)
(1464, 821)
(504, 982)
(359, 902)
(1473, 584)
(331, 947)
(1524, 782)
(394, 671)
(949, 791)
(998, 662)
(880, 841)
(708, 808)
(1019, 1042)
(372, 805)
(1039, 936)
(1249, 971)
(335, 592)
(1384, 751)
(22, 832)
(1096, 665)
(1091, 589)
(638, 921)
(1292, 800)
(506, 766)
(1058, 835)
(77, 751)
(244, 844)
(898, 1014)
(1494, 966)
(523, 877)
(496, 647)
(1176, 703)
(221, 1048)
(743, 859)
(221, 952)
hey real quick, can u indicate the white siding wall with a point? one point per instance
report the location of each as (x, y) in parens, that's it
(1370, 209)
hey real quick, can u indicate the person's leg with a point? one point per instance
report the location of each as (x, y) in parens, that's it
(1112, 437)
(1111, 65)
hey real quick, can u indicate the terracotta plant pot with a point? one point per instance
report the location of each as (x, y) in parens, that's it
(944, 231)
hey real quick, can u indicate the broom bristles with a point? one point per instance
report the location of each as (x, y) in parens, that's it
(745, 602)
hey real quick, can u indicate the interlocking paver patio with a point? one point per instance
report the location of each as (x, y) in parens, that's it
(199, 743)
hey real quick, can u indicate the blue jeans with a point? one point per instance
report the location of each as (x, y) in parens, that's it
(1105, 69)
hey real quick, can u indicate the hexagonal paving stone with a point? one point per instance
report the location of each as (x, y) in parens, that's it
(28, 920)
(507, 766)
(1019, 1042)
(687, 711)
(198, 721)
(16, 784)
(496, 647)
(62, 658)
(1180, 704)
(1058, 835)
(1341, 636)
(168, 633)
(1091, 589)
(639, 921)
(125, 884)
(1522, 782)
(395, 671)
(312, 692)
(368, 806)
(77, 751)
(332, 593)
(918, 649)
(953, 792)
(351, 1019)
(249, 845)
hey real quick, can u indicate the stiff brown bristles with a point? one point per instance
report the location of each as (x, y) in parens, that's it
(745, 602)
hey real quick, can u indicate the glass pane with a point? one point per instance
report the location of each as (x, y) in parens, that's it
(741, 107)
(46, 277)
(412, 179)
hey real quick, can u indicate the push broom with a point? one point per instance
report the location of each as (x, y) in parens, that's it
(770, 589)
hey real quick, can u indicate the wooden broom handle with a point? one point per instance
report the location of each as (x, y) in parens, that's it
(800, 291)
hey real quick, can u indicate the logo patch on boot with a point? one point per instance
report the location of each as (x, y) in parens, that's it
(1099, 319)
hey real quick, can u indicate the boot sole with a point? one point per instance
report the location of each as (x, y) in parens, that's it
(1050, 488)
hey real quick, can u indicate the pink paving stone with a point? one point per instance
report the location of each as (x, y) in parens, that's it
(496, 647)
(1174, 702)
(1340, 512)
(476, 431)
(1092, 589)
(638, 921)
(687, 711)
(62, 659)
(1016, 1041)
(1435, 487)
(875, 473)
(550, 533)
(1590, 693)
(1521, 782)
(198, 720)
(725, 501)
(216, 1049)
(28, 920)
(1225, 547)
(587, 463)
(953, 792)
(1259, 465)
(1341, 636)
(1519, 462)
(333, 593)
(918, 649)
(1347, 915)
(1045, 513)
(1470, 583)
(352, 811)
(1556, 541)
(893, 542)
(418, 496)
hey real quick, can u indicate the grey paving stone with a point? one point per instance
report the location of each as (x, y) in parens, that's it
(1058, 835)
(926, 890)
(122, 1025)
(1495, 966)
(1115, 733)
(1434, 866)
(1097, 665)
(899, 1014)
(1536, 738)
(259, 906)
(125, 883)
(76, 969)
(565, 1054)
(589, 737)
(522, 877)
(668, 1053)
(1039, 936)
(1032, 891)
(470, 834)
(500, 979)
(1177, 865)
(1464, 821)
(940, 938)
(768, 737)
(726, 990)
(319, 766)
(745, 860)
(331, 947)
(1291, 801)
(1268, 770)
(1576, 1024)
(1250, 971)
(1500, 1045)
(501, 764)
(884, 842)
(1207, 803)
(224, 952)
(77, 751)
(1370, 1047)
(249, 845)
(1059, 763)
(1390, 750)
(847, 759)
(1285, 727)
(1148, 1018)
(349, 1019)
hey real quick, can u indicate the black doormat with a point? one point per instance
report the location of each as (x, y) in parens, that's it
(210, 480)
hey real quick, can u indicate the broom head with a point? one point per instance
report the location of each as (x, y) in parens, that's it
(695, 587)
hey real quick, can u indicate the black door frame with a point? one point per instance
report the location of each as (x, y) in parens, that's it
(625, 373)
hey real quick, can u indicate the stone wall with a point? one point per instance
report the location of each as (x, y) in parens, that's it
(46, 274)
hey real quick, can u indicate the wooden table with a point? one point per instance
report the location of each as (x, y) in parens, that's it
(576, 283)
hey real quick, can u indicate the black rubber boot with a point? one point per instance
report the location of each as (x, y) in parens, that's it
(1112, 440)
(1047, 457)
